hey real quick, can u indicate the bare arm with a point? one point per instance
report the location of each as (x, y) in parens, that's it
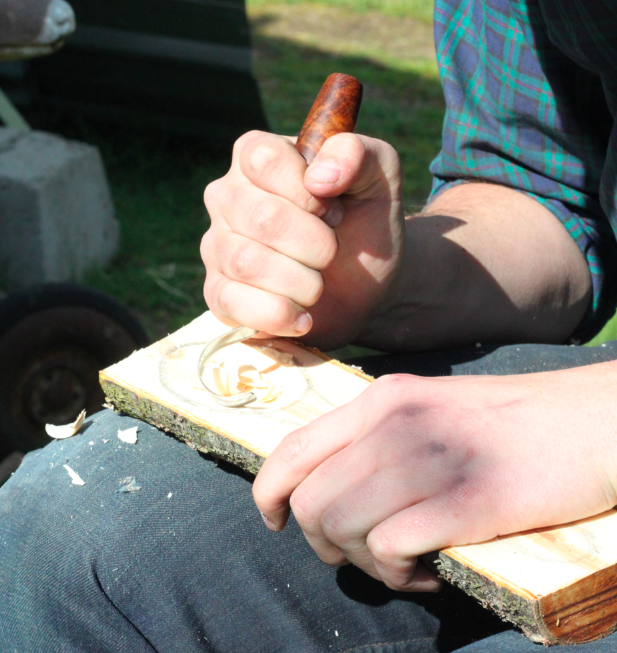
(483, 262)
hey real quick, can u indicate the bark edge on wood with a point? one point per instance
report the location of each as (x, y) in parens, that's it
(163, 418)
(559, 618)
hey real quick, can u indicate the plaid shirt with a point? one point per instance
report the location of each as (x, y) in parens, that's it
(531, 95)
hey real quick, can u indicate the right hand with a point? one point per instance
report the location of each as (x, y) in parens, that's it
(292, 250)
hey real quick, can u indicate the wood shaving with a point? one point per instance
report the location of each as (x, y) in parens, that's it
(231, 379)
(129, 435)
(77, 480)
(66, 430)
(127, 485)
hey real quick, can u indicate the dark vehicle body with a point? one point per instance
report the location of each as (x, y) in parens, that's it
(180, 65)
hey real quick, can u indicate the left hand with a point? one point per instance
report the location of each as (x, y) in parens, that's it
(417, 464)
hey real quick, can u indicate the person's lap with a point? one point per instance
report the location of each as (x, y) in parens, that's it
(185, 563)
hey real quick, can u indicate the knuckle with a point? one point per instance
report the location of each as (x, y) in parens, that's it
(392, 386)
(245, 140)
(335, 528)
(293, 447)
(205, 246)
(245, 261)
(382, 548)
(262, 156)
(223, 296)
(333, 557)
(208, 297)
(212, 193)
(302, 504)
(268, 221)
(211, 292)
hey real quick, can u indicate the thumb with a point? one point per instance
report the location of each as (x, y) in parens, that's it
(365, 168)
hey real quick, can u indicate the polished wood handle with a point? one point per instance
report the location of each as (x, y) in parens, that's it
(335, 111)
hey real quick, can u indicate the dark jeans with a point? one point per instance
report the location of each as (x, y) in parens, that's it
(185, 564)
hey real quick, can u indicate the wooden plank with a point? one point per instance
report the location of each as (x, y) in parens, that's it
(559, 584)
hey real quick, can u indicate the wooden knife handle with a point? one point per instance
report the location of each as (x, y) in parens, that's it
(335, 111)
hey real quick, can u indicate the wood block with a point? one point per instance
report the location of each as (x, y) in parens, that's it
(559, 584)
(160, 385)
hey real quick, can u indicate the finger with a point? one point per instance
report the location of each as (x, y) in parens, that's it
(428, 526)
(359, 166)
(252, 263)
(409, 576)
(347, 496)
(273, 221)
(299, 454)
(273, 164)
(235, 303)
(351, 493)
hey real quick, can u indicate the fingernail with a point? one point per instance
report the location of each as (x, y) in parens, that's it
(334, 215)
(304, 323)
(325, 172)
(268, 522)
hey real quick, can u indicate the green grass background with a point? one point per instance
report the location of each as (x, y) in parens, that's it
(417, 9)
(157, 180)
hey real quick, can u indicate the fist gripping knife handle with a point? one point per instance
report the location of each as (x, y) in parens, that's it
(335, 111)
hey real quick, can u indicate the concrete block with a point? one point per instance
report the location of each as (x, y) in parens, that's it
(56, 212)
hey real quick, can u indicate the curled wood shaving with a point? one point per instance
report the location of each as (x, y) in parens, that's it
(230, 380)
(67, 430)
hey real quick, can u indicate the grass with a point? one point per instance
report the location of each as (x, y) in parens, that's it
(157, 183)
(418, 9)
(609, 332)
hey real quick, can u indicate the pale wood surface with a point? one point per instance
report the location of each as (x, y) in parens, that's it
(559, 584)
(544, 561)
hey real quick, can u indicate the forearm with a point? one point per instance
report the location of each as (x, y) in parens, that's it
(482, 263)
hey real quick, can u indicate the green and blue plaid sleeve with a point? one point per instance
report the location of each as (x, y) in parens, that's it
(531, 95)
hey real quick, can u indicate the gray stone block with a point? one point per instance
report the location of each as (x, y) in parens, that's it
(56, 212)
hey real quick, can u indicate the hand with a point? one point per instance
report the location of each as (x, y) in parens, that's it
(292, 250)
(417, 464)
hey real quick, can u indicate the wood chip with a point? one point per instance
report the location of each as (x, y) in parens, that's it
(67, 430)
(75, 477)
(129, 435)
(128, 485)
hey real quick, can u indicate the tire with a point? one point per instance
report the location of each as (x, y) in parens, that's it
(54, 339)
